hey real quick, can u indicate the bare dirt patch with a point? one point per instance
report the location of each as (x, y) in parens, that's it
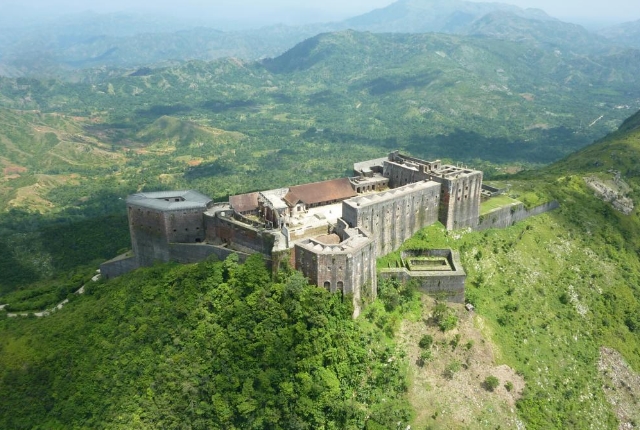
(448, 390)
(14, 170)
(621, 386)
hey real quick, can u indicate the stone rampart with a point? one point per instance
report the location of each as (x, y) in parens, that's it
(509, 215)
(238, 235)
(185, 225)
(348, 267)
(195, 252)
(447, 283)
(460, 200)
(394, 216)
(118, 266)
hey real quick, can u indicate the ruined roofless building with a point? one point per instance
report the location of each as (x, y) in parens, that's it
(332, 231)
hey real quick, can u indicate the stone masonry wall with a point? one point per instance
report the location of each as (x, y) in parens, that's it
(349, 271)
(509, 215)
(118, 266)
(460, 201)
(194, 253)
(148, 235)
(185, 226)
(400, 174)
(436, 284)
(393, 221)
(241, 236)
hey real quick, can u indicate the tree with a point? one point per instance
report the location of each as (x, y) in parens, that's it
(426, 341)
(491, 383)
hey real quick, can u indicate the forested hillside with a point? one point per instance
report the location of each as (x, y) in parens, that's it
(211, 346)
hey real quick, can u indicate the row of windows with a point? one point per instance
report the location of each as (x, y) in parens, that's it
(339, 285)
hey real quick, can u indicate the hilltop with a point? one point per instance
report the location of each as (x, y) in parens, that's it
(72, 151)
(556, 323)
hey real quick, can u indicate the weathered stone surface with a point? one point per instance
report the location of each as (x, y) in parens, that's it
(509, 215)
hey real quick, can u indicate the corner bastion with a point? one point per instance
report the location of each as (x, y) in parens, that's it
(437, 272)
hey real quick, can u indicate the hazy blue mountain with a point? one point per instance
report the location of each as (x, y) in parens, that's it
(626, 34)
(442, 16)
(547, 34)
(127, 40)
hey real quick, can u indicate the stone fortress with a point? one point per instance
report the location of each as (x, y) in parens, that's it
(332, 231)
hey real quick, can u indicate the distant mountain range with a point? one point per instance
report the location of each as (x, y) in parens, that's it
(129, 41)
(627, 34)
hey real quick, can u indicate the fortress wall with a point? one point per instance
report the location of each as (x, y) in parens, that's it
(460, 200)
(118, 266)
(148, 235)
(393, 220)
(509, 215)
(400, 174)
(307, 262)
(194, 253)
(185, 226)
(434, 284)
(347, 272)
(246, 238)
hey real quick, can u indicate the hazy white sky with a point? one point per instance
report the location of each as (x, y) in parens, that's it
(292, 11)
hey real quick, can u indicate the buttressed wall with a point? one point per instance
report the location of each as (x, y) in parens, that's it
(394, 216)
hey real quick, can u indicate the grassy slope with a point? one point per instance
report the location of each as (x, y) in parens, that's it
(551, 291)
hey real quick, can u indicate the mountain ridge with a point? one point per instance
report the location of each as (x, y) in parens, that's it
(71, 46)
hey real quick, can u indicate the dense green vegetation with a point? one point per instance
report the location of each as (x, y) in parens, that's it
(214, 345)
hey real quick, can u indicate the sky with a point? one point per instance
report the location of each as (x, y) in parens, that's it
(261, 12)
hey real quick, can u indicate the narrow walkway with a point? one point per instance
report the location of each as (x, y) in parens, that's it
(48, 312)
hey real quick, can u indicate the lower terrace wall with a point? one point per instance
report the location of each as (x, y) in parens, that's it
(194, 253)
(238, 235)
(509, 215)
(447, 284)
(118, 266)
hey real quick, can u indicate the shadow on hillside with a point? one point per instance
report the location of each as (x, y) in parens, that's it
(384, 85)
(547, 146)
(94, 230)
(219, 106)
(158, 111)
(14, 271)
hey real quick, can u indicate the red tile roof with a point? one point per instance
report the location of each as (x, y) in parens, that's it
(320, 192)
(244, 202)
